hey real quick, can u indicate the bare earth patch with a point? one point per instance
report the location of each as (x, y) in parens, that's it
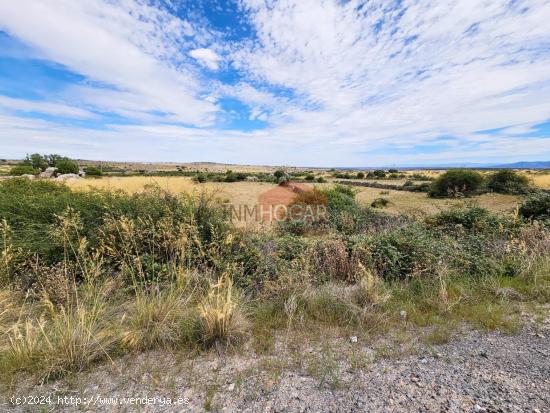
(478, 372)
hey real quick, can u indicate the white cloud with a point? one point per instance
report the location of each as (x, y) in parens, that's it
(206, 57)
(430, 68)
(124, 44)
(59, 109)
(359, 79)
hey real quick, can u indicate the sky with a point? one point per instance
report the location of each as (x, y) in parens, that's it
(290, 82)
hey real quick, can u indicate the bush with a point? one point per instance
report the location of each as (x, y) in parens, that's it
(93, 171)
(456, 183)
(310, 177)
(321, 180)
(474, 219)
(508, 181)
(360, 175)
(536, 206)
(314, 197)
(380, 203)
(379, 173)
(279, 173)
(406, 252)
(340, 198)
(66, 166)
(23, 170)
(31, 209)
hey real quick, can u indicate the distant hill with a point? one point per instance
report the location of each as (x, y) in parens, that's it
(526, 165)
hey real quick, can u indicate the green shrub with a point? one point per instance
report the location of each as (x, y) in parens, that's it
(23, 170)
(310, 177)
(279, 173)
(380, 203)
(536, 206)
(379, 173)
(508, 181)
(93, 171)
(321, 180)
(30, 208)
(411, 251)
(66, 166)
(360, 175)
(475, 219)
(456, 183)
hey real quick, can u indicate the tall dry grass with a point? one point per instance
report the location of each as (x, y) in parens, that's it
(220, 313)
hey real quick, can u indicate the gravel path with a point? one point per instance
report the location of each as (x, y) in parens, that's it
(478, 373)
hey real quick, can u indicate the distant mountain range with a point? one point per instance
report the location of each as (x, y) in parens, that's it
(515, 165)
(526, 165)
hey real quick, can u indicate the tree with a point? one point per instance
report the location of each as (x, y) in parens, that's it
(456, 183)
(36, 161)
(379, 173)
(508, 181)
(360, 175)
(66, 166)
(53, 159)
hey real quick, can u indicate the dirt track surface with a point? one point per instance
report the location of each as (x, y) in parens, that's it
(478, 373)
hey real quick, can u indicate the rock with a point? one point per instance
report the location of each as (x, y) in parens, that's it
(48, 172)
(67, 176)
(403, 315)
(353, 339)
(81, 173)
(252, 179)
(508, 293)
(231, 387)
(28, 176)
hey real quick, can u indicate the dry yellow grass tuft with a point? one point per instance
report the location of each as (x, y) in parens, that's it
(219, 312)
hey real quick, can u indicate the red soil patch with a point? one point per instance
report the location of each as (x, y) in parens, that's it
(272, 202)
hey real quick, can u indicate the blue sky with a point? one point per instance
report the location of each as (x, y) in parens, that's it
(310, 82)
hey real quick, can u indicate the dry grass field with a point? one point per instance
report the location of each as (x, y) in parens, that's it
(419, 204)
(241, 193)
(541, 179)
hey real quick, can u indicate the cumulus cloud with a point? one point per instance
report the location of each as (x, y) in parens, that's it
(206, 57)
(336, 83)
(408, 72)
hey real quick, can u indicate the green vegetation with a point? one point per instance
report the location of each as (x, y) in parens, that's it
(66, 166)
(508, 181)
(85, 276)
(23, 170)
(536, 206)
(380, 203)
(457, 183)
(93, 171)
